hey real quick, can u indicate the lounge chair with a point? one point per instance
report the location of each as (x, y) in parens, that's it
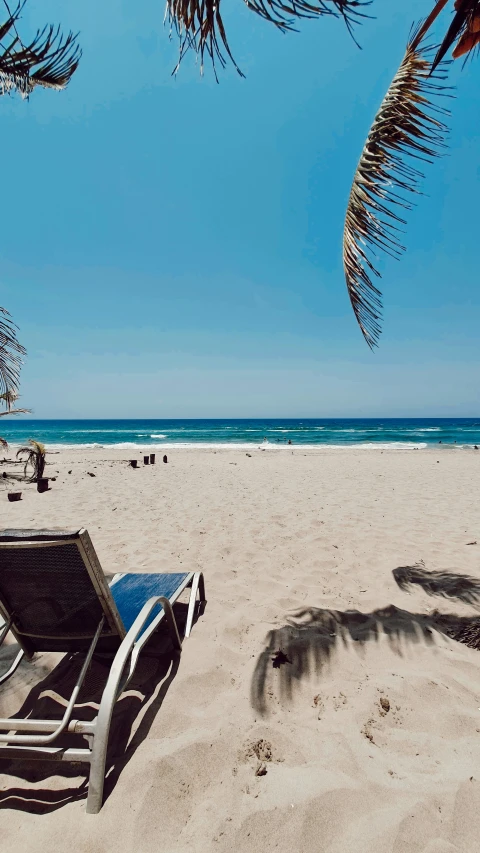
(55, 597)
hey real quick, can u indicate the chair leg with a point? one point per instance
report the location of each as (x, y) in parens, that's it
(198, 585)
(100, 743)
(113, 688)
(13, 667)
(96, 779)
(172, 624)
(5, 628)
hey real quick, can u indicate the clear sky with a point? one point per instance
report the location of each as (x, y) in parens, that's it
(172, 247)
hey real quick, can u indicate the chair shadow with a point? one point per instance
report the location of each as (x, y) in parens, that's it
(309, 639)
(156, 669)
(445, 584)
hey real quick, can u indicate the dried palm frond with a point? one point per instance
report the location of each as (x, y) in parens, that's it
(407, 128)
(11, 352)
(282, 14)
(465, 27)
(199, 24)
(35, 457)
(3, 443)
(49, 60)
(9, 398)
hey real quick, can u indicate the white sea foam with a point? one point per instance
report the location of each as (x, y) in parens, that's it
(267, 446)
(60, 446)
(121, 445)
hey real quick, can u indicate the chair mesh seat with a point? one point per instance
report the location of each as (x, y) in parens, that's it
(49, 590)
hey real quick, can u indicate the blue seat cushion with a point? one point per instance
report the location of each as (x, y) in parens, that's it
(131, 591)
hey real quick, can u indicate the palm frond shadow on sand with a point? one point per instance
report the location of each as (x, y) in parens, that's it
(462, 588)
(310, 638)
(47, 700)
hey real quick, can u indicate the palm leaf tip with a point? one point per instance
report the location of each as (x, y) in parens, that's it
(49, 60)
(61, 56)
(11, 352)
(464, 29)
(406, 129)
(9, 398)
(199, 24)
(282, 13)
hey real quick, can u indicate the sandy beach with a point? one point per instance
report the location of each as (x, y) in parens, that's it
(362, 735)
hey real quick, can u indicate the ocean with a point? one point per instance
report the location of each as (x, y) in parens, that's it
(380, 433)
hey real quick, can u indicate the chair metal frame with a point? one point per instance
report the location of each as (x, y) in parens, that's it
(31, 739)
(18, 658)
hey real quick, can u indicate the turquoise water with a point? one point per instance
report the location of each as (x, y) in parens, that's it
(379, 433)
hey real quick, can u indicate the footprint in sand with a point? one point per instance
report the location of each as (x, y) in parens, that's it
(261, 752)
(384, 705)
(318, 704)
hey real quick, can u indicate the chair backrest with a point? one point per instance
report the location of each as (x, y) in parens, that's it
(54, 589)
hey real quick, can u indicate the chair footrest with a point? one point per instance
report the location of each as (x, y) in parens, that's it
(11, 724)
(46, 753)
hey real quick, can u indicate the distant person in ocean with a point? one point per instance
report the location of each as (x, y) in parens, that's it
(289, 440)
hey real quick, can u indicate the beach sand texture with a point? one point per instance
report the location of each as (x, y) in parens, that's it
(366, 738)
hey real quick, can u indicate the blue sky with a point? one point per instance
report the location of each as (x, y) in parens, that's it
(172, 247)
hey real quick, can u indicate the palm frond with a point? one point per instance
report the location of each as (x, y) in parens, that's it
(282, 14)
(11, 352)
(3, 443)
(9, 398)
(35, 457)
(15, 412)
(199, 24)
(465, 27)
(49, 60)
(407, 128)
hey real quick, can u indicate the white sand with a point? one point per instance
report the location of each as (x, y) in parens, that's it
(275, 533)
